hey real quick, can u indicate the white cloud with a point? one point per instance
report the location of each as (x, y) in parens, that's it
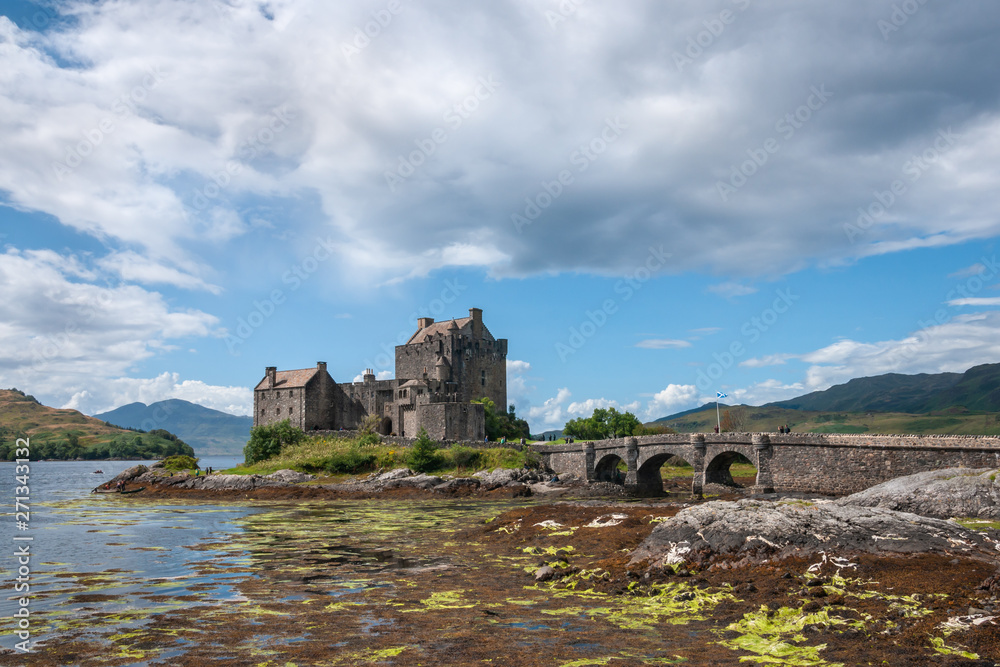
(517, 384)
(704, 331)
(57, 326)
(673, 398)
(586, 408)
(969, 271)
(379, 375)
(766, 392)
(113, 393)
(731, 290)
(517, 367)
(262, 105)
(955, 346)
(550, 413)
(769, 360)
(662, 344)
(133, 267)
(976, 301)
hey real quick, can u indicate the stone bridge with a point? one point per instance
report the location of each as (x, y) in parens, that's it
(805, 462)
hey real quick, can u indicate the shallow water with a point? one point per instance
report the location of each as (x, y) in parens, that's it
(124, 580)
(108, 562)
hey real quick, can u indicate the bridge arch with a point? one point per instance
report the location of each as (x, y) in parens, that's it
(606, 469)
(717, 469)
(649, 480)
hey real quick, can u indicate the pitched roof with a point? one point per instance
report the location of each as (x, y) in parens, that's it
(289, 379)
(459, 325)
(443, 328)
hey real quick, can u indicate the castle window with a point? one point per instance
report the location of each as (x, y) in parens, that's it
(482, 378)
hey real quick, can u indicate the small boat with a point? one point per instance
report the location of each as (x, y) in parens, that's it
(116, 491)
(98, 472)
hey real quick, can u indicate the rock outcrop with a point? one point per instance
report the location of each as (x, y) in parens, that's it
(401, 478)
(752, 530)
(952, 492)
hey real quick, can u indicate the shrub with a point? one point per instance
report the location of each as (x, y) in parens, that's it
(267, 441)
(351, 461)
(423, 456)
(465, 457)
(180, 462)
(370, 439)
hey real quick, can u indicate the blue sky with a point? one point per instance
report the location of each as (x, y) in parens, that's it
(652, 202)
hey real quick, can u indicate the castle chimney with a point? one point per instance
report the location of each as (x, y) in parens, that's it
(476, 314)
(272, 376)
(369, 375)
(424, 322)
(321, 366)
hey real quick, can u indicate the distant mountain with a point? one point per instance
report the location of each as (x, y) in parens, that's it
(68, 434)
(210, 432)
(678, 415)
(978, 390)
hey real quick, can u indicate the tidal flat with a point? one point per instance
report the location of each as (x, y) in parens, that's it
(453, 582)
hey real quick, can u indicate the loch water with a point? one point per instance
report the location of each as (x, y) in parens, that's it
(106, 563)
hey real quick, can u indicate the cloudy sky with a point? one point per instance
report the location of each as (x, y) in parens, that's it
(653, 201)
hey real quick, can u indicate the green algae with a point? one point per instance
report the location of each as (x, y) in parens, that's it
(776, 637)
(444, 600)
(937, 643)
(978, 524)
(370, 656)
(641, 608)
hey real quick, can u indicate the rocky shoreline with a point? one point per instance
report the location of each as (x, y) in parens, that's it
(883, 577)
(401, 482)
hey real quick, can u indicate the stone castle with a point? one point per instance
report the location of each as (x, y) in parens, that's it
(439, 371)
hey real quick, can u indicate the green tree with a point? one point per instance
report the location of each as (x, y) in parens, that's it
(503, 424)
(268, 440)
(423, 456)
(603, 423)
(622, 424)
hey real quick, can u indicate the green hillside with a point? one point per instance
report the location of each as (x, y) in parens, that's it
(978, 389)
(210, 432)
(769, 418)
(68, 434)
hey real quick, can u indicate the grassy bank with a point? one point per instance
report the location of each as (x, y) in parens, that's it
(352, 456)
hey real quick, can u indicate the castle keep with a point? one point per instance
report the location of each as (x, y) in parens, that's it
(439, 371)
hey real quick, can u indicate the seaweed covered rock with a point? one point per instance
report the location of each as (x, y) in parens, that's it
(492, 479)
(951, 492)
(129, 475)
(290, 476)
(755, 530)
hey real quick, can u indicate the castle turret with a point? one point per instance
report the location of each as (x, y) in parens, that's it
(442, 370)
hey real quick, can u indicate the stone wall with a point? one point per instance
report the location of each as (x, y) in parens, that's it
(451, 421)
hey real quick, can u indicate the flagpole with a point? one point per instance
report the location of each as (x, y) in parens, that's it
(718, 419)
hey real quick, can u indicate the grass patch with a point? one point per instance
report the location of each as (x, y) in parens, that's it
(978, 524)
(179, 463)
(324, 455)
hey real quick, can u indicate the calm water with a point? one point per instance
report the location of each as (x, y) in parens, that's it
(106, 563)
(84, 542)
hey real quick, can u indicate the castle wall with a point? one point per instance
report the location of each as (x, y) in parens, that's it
(452, 421)
(483, 372)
